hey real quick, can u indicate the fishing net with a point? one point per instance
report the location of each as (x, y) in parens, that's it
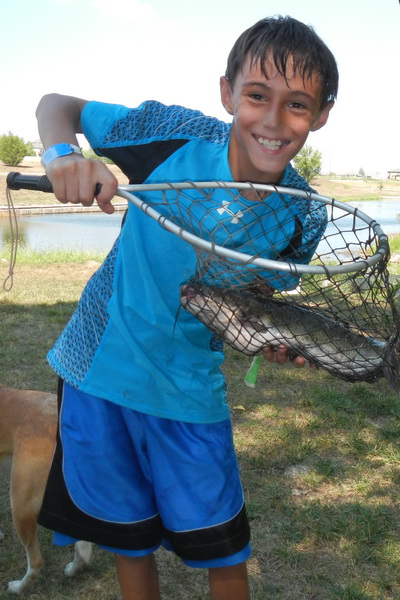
(278, 265)
(305, 271)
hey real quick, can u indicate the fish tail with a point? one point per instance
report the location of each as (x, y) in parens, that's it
(391, 368)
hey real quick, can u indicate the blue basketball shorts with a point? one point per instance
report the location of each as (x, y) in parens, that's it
(131, 482)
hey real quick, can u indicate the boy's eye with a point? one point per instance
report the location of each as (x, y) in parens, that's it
(298, 106)
(256, 96)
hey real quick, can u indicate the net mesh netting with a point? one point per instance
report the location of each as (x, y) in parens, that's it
(342, 317)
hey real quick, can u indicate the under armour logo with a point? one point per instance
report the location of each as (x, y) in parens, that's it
(236, 216)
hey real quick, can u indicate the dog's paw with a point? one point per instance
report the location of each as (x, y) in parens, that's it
(73, 568)
(16, 587)
(82, 556)
(19, 585)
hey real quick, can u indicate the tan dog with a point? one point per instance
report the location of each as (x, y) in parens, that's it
(28, 422)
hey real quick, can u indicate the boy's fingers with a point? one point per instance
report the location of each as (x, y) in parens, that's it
(280, 355)
(78, 180)
(298, 362)
(268, 353)
(277, 355)
(104, 196)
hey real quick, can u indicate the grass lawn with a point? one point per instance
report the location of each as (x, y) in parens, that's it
(320, 463)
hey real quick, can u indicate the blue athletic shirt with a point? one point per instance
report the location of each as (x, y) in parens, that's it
(127, 340)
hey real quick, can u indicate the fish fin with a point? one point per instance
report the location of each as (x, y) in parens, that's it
(255, 323)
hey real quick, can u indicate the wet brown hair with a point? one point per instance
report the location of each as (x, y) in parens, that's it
(279, 39)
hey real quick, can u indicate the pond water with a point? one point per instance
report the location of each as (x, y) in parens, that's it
(83, 231)
(98, 231)
(385, 212)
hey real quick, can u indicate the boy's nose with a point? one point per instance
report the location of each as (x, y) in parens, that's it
(273, 116)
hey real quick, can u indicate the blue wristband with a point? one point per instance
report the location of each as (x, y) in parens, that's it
(58, 150)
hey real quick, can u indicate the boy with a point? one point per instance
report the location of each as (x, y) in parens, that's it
(142, 400)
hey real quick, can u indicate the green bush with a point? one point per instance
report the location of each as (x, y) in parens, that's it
(13, 149)
(308, 163)
(92, 155)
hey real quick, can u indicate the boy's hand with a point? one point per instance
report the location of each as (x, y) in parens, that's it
(280, 355)
(74, 179)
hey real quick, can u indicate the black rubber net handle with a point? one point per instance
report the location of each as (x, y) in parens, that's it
(37, 183)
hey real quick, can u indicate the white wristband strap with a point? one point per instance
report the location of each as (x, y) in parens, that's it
(58, 150)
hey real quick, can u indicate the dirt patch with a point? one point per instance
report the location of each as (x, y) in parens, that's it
(356, 188)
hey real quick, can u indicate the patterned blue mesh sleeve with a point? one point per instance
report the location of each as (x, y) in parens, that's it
(153, 121)
(73, 352)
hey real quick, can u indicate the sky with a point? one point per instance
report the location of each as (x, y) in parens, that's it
(174, 51)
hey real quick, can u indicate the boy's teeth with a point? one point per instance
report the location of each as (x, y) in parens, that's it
(271, 144)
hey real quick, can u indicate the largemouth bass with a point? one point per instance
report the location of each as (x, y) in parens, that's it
(248, 323)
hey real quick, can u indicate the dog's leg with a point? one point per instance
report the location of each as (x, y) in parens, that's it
(26, 528)
(25, 504)
(82, 556)
(27, 532)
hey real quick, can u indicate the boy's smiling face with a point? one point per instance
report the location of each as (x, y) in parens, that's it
(272, 118)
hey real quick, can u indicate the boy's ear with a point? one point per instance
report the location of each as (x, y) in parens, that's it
(322, 118)
(226, 94)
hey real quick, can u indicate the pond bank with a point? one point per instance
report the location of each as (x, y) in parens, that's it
(51, 209)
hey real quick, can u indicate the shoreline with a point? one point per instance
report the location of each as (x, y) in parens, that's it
(42, 209)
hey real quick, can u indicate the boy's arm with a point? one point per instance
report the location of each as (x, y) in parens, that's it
(74, 178)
